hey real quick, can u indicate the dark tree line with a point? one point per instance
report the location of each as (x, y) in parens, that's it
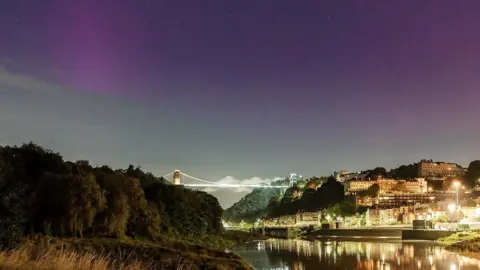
(42, 193)
(402, 172)
(473, 174)
(330, 193)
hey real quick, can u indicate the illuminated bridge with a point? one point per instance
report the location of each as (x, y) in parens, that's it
(178, 176)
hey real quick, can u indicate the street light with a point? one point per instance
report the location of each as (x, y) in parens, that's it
(451, 207)
(456, 184)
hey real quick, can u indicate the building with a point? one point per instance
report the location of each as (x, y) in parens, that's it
(439, 170)
(354, 186)
(379, 217)
(297, 220)
(397, 200)
(402, 214)
(176, 177)
(387, 186)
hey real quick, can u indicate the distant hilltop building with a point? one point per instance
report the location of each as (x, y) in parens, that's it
(386, 186)
(345, 176)
(439, 170)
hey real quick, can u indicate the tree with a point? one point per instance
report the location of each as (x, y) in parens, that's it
(83, 201)
(114, 219)
(378, 171)
(373, 190)
(330, 193)
(405, 171)
(272, 208)
(400, 187)
(307, 202)
(291, 194)
(42, 193)
(473, 173)
(14, 203)
(315, 182)
(440, 219)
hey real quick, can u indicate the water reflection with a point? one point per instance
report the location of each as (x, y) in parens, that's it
(299, 255)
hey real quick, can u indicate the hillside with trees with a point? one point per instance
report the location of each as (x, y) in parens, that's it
(253, 205)
(295, 200)
(44, 195)
(312, 194)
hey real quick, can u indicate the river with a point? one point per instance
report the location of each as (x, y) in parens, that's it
(327, 254)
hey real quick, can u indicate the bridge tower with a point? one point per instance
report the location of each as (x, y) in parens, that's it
(176, 177)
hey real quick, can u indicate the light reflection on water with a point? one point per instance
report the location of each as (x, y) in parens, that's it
(385, 255)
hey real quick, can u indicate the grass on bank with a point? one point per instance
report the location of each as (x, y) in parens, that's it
(121, 253)
(32, 258)
(459, 237)
(465, 243)
(166, 252)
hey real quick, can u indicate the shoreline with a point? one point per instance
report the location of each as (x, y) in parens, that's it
(163, 253)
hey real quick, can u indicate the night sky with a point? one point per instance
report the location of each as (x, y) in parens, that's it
(243, 88)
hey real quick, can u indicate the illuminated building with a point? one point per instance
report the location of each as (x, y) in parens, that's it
(381, 216)
(176, 177)
(439, 170)
(387, 186)
(401, 199)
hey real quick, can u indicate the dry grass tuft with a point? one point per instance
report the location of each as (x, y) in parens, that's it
(31, 258)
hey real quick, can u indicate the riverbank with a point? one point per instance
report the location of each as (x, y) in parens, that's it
(105, 253)
(463, 243)
(234, 237)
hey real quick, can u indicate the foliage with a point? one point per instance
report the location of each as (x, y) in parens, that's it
(473, 173)
(41, 193)
(330, 193)
(253, 205)
(317, 193)
(405, 171)
(342, 209)
(372, 191)
(458, 237)
(441, 219)
(378, 171)
(292, 194)
(315, 182)
(272, 206)
(400, 187)
(88, 253)
(30, 258)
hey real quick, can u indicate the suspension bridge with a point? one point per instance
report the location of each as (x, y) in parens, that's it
(178, 178)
